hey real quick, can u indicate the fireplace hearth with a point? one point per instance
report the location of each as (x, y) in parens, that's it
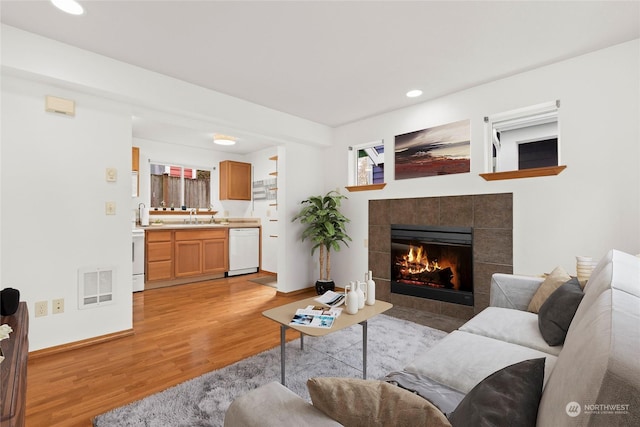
(432, 262)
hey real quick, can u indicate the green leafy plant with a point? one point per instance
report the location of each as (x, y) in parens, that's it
(325, 227)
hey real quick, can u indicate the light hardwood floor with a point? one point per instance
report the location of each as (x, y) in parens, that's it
(181, 332)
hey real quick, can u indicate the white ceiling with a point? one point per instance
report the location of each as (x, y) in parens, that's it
(332, 62)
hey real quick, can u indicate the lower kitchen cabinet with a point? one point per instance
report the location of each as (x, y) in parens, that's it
(188, 258)
(176, 256)
(216, 255)
(159, 255)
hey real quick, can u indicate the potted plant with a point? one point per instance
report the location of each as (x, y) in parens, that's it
(325, 227)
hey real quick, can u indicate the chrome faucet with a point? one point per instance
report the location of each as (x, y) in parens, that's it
(193, 218)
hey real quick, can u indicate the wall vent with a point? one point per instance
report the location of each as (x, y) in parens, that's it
(54, 104)
(95, 286)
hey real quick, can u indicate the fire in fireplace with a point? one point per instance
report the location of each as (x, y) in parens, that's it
(432, 262)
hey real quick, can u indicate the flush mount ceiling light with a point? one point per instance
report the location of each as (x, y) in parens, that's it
(414, 93)
(224, 140)
(70, 6)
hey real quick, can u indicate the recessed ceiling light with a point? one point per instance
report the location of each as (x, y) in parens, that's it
(70, 6)
(414, 93)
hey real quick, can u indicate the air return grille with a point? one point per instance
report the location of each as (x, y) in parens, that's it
(95, 286)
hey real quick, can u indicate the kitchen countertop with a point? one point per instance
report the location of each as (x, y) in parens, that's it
(182, 226)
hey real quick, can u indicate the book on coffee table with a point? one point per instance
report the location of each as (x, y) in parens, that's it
(331, 299)
(316, 317)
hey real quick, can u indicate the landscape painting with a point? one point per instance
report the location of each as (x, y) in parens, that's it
(440, 150)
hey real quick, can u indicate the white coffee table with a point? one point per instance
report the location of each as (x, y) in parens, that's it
(284, 314)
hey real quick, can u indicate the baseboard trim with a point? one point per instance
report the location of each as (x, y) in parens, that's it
(182, 281)
(80, 344)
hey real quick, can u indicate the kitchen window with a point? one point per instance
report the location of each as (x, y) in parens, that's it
(174, 186)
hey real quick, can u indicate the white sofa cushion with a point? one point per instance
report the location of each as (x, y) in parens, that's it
(513, 291)
(461, 360)
(616, 270)
(514, 326)
(598, 366)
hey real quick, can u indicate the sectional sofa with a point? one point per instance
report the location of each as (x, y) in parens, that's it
(592, 379)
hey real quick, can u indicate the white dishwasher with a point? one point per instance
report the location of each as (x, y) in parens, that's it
(244, 250)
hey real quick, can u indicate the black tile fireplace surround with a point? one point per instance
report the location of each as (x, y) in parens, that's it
(489, 215)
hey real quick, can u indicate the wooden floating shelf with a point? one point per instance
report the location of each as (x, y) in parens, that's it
(524, 173)
(273, 204)
(365, 187)
(273, 158)
(273, 173)
(273, 235)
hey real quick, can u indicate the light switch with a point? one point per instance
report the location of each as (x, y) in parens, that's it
(110, 208)
(112, 174)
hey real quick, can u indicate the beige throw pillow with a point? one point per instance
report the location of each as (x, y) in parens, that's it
(355, 402)
(552, 282)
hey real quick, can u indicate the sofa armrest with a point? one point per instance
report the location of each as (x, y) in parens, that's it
(513, 291)
(274, 405)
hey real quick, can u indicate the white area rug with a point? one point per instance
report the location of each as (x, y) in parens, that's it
(202, 401)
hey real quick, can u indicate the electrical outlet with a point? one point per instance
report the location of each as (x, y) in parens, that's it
(110, 208)
(57, 306)
(42, 308)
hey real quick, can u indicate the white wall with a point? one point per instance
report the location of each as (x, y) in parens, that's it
(27, 53)
(592, 206)
(53, 207)
(262, 209)
(51, 228)
(300, 172)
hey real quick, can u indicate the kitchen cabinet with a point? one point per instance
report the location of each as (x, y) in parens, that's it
(216, 255)
(235, 180)
(199, 252)
(188, 258)
(181, 255)
(135, 171)
(135, 159)
(159, 255)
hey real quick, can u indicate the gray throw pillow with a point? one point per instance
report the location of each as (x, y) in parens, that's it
(508, 397)
(557, 312)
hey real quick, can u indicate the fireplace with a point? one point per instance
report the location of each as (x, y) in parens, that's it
(432, 262)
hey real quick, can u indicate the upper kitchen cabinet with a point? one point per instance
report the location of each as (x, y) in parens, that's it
(135, 159)
(235, 180)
